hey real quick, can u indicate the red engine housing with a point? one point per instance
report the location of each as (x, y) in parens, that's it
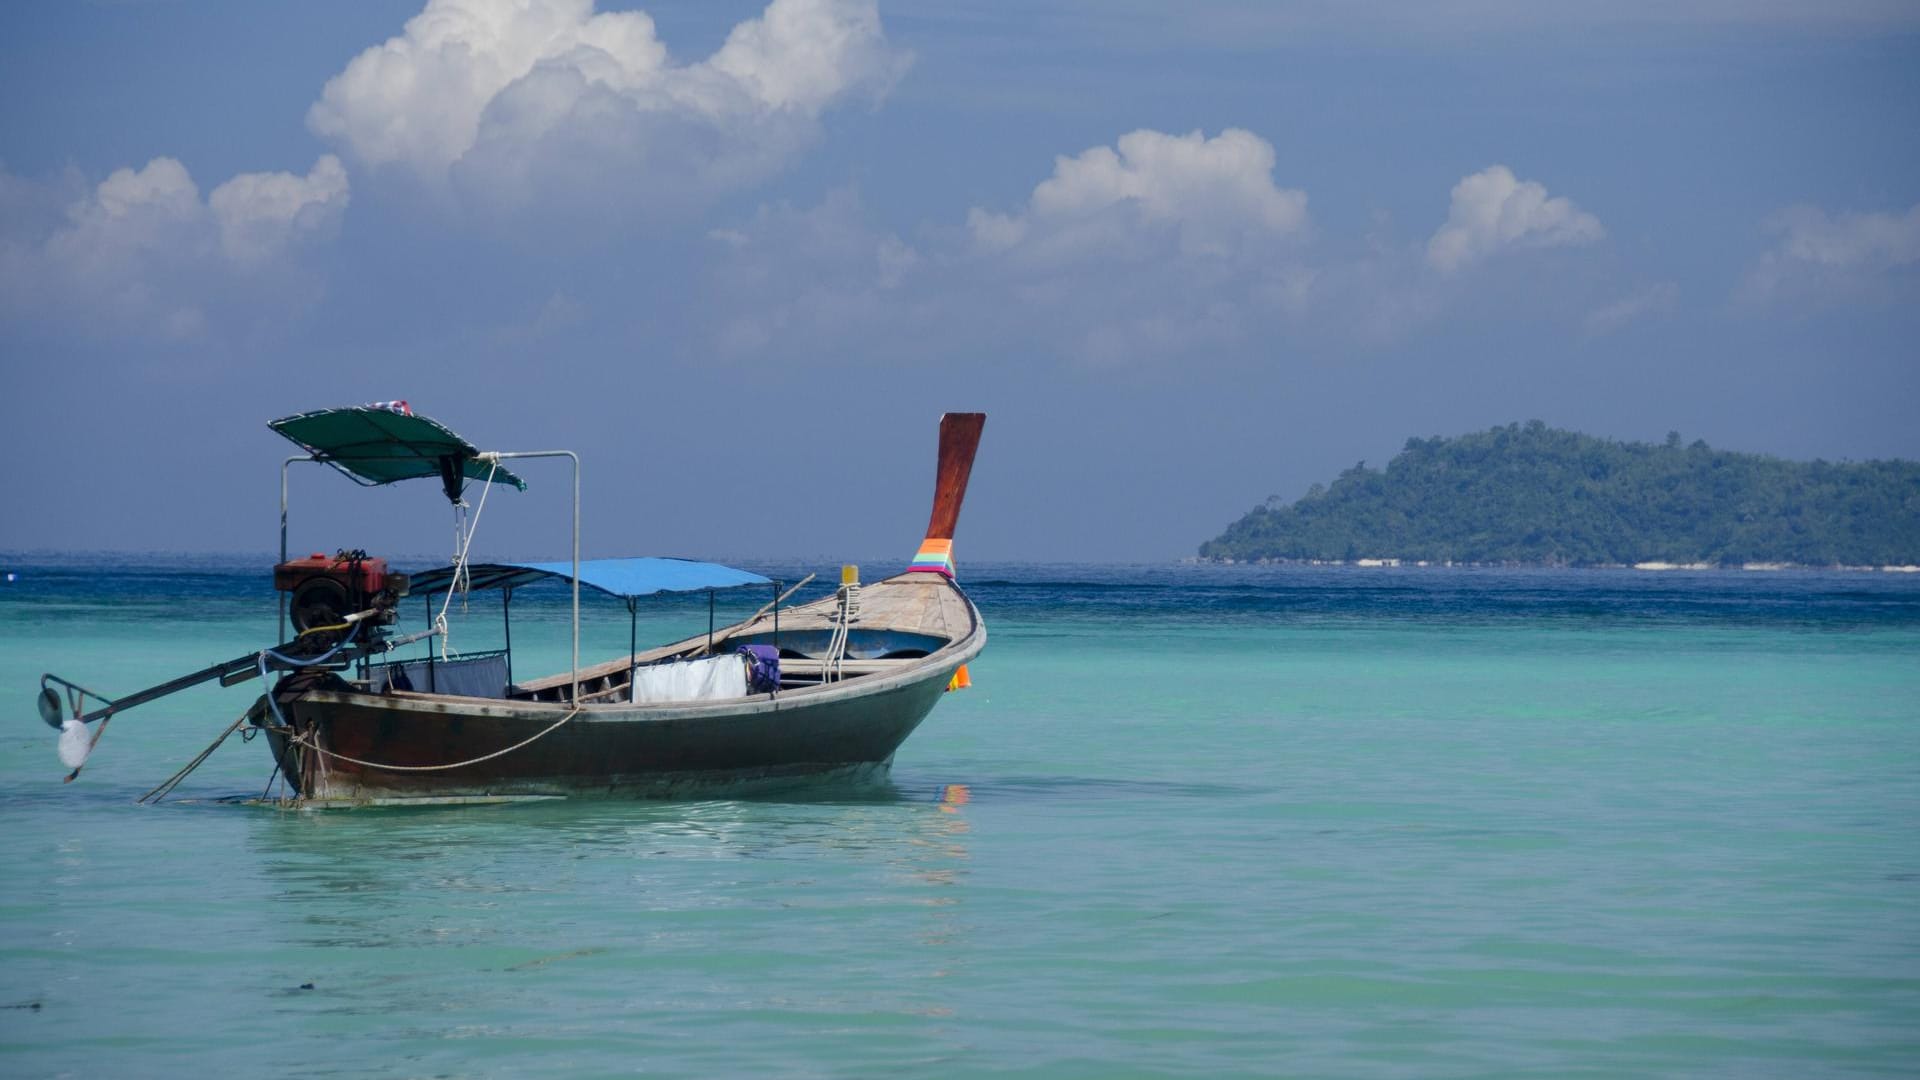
(326, 591)
(362, 576)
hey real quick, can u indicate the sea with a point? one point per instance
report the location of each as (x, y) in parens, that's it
(1188, 821)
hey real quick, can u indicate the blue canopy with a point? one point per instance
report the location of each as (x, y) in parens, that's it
(624, 578)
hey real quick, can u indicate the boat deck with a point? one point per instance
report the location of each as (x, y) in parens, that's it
(898, 621)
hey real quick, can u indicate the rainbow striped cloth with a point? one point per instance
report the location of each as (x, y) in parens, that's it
(935, 556)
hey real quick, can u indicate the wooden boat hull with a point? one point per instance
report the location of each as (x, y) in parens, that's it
(844, 679)
(390, 748)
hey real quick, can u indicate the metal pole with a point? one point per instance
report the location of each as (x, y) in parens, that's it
(576, 577)
(282, 635)
(428, 598)
(776, 618)
(633, 643)
(709, 620)
(503, 455)
(506, 617)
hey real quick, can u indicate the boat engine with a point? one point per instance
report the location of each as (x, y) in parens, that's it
(325, 591)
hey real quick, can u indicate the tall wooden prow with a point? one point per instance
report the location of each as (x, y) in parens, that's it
(959, 441)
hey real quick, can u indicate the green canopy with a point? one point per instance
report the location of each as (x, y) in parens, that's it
(375, 444)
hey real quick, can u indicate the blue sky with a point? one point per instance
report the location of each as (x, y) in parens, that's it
(742, 256)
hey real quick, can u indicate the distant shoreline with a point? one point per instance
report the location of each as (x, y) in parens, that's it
(228, 561)
(1651, 566)
(1530, 495)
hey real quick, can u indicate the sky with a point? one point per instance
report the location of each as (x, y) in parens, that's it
(741, 256)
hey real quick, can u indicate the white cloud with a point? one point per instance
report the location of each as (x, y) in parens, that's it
(827, 281)
(1837, 258)
(1216, 195)
(1158, 251)
(142, 253)
(154, 211)
(559, 315)
(819, 275)
(260, 214)
(1653, 300)
(162, 188)
(1158, 246)
(1493, 210)
(1869, 241)
(806, 54)
(1155, 248)
(417, 99)
(522, 99)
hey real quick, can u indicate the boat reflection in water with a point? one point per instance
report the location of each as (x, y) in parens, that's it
(535, 882)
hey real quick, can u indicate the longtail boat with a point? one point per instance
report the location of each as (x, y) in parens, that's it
(826, 689)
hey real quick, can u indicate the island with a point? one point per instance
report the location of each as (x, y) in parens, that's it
(1535, 495)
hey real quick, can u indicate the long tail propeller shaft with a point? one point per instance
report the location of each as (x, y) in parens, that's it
(229, 672)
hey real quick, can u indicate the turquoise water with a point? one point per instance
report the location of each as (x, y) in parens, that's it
(1188, 822)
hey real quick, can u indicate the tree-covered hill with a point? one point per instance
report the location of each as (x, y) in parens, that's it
(1534, 494)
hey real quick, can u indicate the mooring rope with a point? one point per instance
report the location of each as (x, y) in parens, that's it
(300, 740)
(832, 666)
(460, 565)
(166, 786)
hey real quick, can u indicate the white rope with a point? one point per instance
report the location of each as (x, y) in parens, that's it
(299, 740)
(832, 669)
(836, 643)
(460, 564)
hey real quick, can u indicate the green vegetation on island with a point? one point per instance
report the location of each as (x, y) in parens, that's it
(1534, 494)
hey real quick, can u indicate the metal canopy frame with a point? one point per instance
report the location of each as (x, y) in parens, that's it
(602, 576)
(489, 457)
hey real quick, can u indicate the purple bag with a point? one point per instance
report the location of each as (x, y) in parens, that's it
(763, 668)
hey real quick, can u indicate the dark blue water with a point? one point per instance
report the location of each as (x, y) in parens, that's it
(1180, 592)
